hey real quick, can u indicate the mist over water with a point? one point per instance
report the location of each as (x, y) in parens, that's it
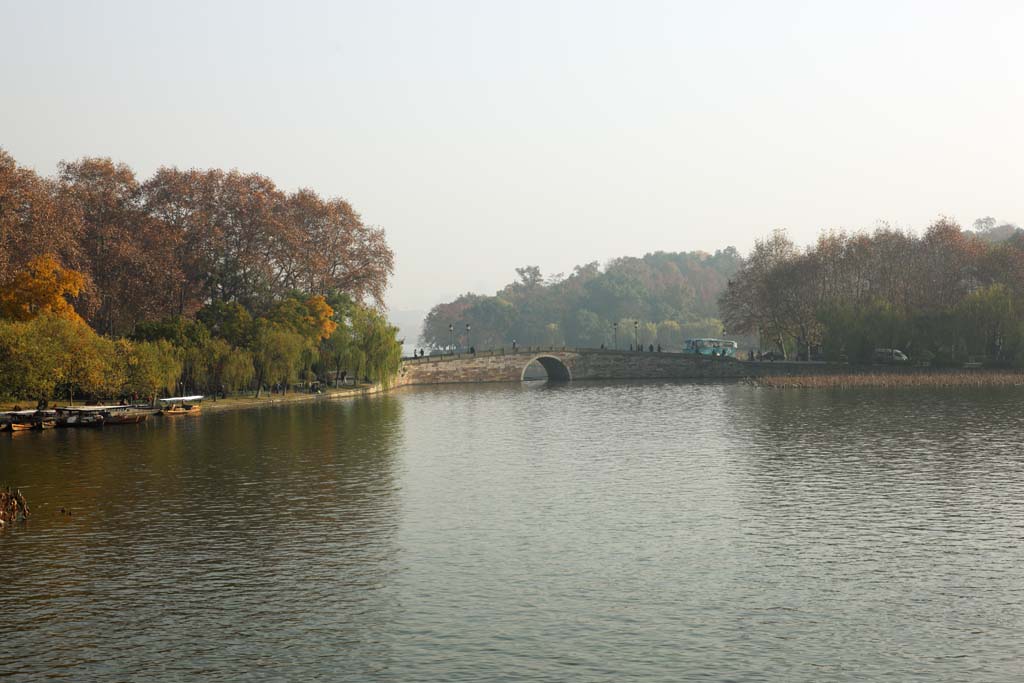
(589, 531)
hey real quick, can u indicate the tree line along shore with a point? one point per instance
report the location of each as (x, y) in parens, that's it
(945, 298)
(212, 281)
(190, 281)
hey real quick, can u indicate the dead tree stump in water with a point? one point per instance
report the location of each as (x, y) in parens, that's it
(13, 507)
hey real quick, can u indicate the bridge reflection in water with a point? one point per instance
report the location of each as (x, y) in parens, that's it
(564, 363)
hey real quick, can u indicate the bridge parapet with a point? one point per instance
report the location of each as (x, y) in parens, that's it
(561, 363)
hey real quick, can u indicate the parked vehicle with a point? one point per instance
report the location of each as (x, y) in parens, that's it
(710, 347)
(889, 356)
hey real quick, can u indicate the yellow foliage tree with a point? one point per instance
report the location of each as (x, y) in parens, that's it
(312, 318)
(319, 318)
(41, 287)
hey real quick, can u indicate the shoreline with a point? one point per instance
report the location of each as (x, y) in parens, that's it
(864, 378)
(247, 402)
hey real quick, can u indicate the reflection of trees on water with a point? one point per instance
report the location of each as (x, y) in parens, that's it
(803, 424)
(232, 533)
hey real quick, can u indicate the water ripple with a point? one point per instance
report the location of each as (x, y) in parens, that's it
(596, 531)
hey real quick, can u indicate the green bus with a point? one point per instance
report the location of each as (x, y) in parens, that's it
(710, 347)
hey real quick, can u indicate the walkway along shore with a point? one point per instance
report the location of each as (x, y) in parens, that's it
(334, 394)
(243, 402)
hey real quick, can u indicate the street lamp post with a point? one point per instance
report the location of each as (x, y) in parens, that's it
(468, 345)
(636, 333)
(451, 334)
(615, 333)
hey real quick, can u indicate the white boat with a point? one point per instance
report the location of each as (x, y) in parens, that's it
(181, 405)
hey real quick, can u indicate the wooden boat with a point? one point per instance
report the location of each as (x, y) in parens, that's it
(85, 416)
(181, 405)
(17, 421)
(128, 418)
(122, 415)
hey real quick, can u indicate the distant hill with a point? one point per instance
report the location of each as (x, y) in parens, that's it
(993, 232)
(660, 298)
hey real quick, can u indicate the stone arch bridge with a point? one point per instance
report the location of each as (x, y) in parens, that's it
(567, 363)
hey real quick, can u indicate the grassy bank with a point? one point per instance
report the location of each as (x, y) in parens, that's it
(936, 378)
(239, 402)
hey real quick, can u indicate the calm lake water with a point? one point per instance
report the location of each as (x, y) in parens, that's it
(592, 531)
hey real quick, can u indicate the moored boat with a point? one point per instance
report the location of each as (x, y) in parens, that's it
(18, 421)
(44, 419)
(123, 415)
(181, 405)
(85, 416)
(125, 418)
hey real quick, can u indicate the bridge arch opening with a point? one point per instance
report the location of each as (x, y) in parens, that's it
(549, 366)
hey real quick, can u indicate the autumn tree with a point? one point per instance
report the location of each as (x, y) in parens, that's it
(128, 255)
(753, 301)
(43, 286)
(311, 317)
(35, 220)
(240, 238)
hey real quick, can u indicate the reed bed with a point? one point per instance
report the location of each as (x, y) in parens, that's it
(953, 378)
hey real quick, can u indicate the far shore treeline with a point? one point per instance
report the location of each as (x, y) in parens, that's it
(191, 280)
(948, 296)
(670, 295)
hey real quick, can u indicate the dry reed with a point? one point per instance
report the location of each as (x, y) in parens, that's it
(954, 378)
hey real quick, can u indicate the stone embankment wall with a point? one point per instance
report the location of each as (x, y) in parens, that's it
(583, 364)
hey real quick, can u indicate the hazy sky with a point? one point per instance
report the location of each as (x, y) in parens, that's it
(488, 135)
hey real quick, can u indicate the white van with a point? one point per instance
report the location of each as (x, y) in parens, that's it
(890, 356)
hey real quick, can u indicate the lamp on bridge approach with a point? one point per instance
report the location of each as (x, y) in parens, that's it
(451, 334)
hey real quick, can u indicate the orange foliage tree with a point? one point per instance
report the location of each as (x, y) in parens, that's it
(43, 286)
